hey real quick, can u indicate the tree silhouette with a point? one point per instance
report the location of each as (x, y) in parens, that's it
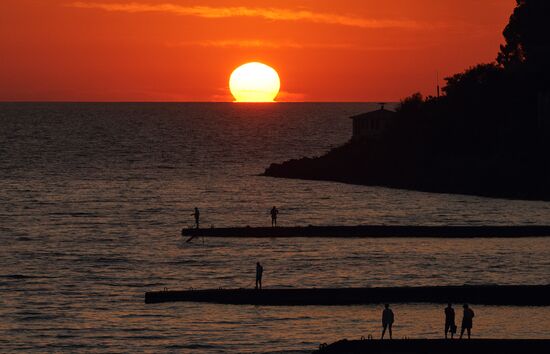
(482, 136)
(527, 47)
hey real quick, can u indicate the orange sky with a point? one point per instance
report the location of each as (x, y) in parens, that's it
(185, 50)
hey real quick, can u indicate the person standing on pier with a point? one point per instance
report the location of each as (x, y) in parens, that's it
(387, 320)
(197, 215)
(274, 212)
(450, 326)
(467, 320)
(259, 273)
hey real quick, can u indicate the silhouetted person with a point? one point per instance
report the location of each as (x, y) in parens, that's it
(387, 320)
(450, 325)
(259, 273)
(467, 320)
(274, 212)
(197, 215)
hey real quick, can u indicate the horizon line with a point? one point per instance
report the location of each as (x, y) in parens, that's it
(232, 102)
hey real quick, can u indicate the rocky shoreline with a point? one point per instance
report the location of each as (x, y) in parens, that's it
(372, 164)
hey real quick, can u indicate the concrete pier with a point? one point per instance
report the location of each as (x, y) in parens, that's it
(371, 231)
(439, 346)
(520, 295)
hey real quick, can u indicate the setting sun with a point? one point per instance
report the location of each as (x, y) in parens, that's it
(254, 82)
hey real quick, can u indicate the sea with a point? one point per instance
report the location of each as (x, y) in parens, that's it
(93, 197)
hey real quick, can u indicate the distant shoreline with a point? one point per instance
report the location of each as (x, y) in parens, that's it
(348, 164)
(354, 182)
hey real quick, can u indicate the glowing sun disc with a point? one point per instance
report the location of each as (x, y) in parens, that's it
(254, 82)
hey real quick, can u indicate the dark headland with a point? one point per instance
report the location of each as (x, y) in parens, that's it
(487, 134)
(517, 295)
(439, 346)
(372, 231)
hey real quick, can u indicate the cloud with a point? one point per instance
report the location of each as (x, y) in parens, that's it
(285, 96)
(273, 14)
(266, 44)
(258, 43)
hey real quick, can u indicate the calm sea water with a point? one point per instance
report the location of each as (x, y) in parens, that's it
(93, 197)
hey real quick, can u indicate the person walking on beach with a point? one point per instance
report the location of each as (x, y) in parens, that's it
(467, 320)
(197, 215)
(450, 326)
(274, 212)
(387, 320)
(259, 273)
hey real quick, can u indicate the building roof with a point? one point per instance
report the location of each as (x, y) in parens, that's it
(381, 113)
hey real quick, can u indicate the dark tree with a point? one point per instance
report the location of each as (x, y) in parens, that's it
(412, 103)
(527, 47)
(482, 136)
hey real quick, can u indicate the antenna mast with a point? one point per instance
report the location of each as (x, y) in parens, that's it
(437, 83)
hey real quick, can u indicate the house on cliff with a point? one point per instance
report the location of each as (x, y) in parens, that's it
(372, 125)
